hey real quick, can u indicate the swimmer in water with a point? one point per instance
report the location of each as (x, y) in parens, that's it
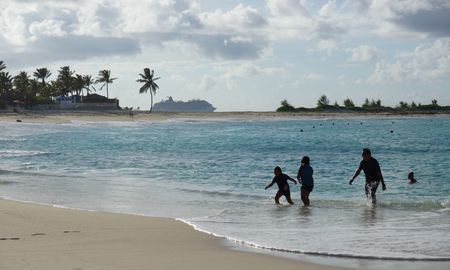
(411, 178)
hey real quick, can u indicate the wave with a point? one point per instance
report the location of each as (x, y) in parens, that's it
(317, 253)
(424, 205)
(34, 173)
(12, 139)
(221, 193)
(5, 182)
(24, 153)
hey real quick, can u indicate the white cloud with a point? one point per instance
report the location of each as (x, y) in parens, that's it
(292, 8)
(328, 45)
(307, 77)
(207, 83)
(311, 76)
(236, 33)
(243, 31)
(328, 9)
(247, 70)
(289, 19)
(363, 53)
(425, 63)
(240, 18)
(47, 28)
(13, 26)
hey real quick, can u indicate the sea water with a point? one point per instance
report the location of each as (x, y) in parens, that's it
(212, 173)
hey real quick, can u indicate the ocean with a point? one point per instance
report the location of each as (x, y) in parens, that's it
(212, 173)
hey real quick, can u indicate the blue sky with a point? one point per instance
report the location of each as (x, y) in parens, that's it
(240, 55)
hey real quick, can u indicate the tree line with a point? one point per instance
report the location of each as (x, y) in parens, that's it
(323, 103)
(31, 90)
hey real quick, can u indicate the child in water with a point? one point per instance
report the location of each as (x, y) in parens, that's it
(411, 178)
(305, 176)
(283, 186)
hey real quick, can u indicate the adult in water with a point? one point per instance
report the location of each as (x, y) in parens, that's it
(372, 170)
(305, 176)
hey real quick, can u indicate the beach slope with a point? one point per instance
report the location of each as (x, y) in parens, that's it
(36, 236)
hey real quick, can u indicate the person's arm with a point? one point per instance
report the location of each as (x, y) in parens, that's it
(380, 176)
(292, 179)
(358, 171)
(299, 174)
(269, 185)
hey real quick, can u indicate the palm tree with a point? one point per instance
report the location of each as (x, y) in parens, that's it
(22, 86)
(34, 88)
(65, 80)
(149, 84)
(6, 85)
(104, 76)
(42, 74)
(88, 83)
(78, 84)
(2, 66)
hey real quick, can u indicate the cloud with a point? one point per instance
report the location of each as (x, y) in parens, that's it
(293, 8)
(289, 19)
(236, 33)
(328, 45)
(47, 28)
(307, 77)
(207, 83)
(247, 70)
(311, 76)
(363, 53)
(216, 46)
(240, 18)
(421, 17)
(434, 21)
(243, 31)
(425, 63)
(230, 34)
(48, 49)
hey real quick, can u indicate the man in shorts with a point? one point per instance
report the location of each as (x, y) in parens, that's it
(372, 170)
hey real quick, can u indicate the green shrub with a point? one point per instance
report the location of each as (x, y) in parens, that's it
(41, 100)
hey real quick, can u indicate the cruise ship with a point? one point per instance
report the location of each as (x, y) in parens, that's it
(194, 105)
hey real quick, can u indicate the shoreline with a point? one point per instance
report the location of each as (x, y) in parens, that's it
(36, 236)
(61, 117)
(42, 236)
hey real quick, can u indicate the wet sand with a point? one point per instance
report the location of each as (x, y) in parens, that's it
(40, 237)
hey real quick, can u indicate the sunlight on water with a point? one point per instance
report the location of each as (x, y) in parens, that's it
(212, 174)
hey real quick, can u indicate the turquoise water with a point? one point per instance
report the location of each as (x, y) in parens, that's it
(212, 173)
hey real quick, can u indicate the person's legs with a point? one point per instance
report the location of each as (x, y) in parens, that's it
(288, 198)
(304, 194)
(277, 197)
(371, 189)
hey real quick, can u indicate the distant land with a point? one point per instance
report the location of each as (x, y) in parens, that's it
(324, 106)
(195, 105)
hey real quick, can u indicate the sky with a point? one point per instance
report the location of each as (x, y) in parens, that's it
(240, 55)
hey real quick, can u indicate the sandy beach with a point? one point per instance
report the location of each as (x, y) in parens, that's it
(42, 237)
(114, 116)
